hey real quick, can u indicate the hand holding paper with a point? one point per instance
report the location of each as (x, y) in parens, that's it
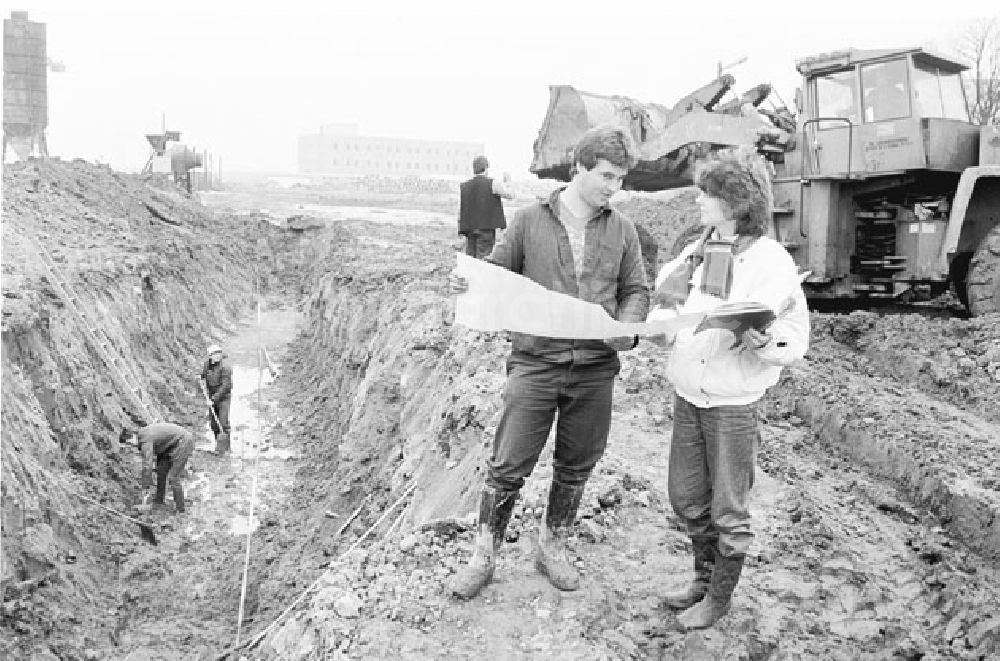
(496, 299)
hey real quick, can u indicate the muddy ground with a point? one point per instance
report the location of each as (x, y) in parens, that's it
(360, 446)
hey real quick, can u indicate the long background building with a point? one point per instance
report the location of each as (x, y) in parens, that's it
(339, 150)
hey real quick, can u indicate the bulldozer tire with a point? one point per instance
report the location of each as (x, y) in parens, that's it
(983, 280)
(958, 272)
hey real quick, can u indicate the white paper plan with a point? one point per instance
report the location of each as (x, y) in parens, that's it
(498, 299)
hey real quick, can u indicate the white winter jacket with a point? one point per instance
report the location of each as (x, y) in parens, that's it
(704, 369)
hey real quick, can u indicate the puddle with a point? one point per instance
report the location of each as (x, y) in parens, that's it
(252, 375)
(225, 490)
(277, 211)
(241, 527)
(396, 216)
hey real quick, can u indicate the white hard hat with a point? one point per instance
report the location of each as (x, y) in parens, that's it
(214, 348)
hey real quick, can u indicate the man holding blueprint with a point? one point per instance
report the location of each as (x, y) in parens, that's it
(572, 243)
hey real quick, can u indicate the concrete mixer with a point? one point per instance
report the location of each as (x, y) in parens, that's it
(182, 160)
(175, 157)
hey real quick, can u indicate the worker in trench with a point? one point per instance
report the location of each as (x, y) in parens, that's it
(719, 378)
(572, 242)
(165, 448)
(217, 386)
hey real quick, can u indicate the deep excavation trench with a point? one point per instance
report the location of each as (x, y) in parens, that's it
(875, 501)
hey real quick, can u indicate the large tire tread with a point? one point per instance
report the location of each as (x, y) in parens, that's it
(983, 280)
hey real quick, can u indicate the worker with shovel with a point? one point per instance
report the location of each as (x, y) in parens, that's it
(217, 386)
(167, 448)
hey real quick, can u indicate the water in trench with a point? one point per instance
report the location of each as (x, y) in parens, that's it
(254, 353)
(278, 208)
(395, 217)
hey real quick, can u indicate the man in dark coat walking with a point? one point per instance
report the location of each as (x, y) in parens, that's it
(480, 212)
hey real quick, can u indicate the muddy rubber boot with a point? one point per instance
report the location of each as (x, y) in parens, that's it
(704, 559)
(222, 444)
(495, 508)
(552, 557)
(178, 492)
(715, 604)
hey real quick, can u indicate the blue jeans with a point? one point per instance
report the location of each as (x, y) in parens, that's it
(535, 391)
(712, 457)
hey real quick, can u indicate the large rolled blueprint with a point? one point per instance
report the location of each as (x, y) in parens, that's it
(498, 299)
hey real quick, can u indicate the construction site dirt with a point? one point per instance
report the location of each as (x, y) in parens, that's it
(361, 433)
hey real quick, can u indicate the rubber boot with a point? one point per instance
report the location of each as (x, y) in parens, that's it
(715, 604)
(704, 559)
(178, 492)
(552, 557)
(222, 444)
(495, 508)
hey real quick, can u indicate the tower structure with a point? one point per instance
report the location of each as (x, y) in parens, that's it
(25, 86)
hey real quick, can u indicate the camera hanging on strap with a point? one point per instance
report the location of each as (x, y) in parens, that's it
(717, 268)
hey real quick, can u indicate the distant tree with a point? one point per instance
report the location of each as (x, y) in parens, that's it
(979, 46)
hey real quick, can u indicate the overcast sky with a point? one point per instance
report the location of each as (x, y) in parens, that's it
(245, 79)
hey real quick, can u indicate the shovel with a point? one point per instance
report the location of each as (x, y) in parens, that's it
(211, 409)
(145, 530)
(211, 406)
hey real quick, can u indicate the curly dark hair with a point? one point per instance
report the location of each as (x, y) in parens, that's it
(612, 143)
(740, 178)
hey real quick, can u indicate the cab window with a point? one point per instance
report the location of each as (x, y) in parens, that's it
(836, 97)
(885, 91)
(938, 93)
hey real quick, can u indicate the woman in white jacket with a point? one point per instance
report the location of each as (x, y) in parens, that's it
(718, 377)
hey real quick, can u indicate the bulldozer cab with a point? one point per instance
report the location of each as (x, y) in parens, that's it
(891, 192)
(872, 112)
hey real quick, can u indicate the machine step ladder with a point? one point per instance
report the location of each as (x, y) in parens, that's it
(122, 374)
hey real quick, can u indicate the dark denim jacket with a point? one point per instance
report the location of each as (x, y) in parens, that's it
(536, 245)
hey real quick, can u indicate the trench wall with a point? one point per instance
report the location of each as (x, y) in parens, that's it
(386, 395)
(160, 290)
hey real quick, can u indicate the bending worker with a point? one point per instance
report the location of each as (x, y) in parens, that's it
(217, 378)
(167, 447)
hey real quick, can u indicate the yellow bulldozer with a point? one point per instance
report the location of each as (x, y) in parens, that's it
(882, 186)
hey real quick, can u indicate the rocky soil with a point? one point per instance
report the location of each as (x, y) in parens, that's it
(160, 277)
(875, 502)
